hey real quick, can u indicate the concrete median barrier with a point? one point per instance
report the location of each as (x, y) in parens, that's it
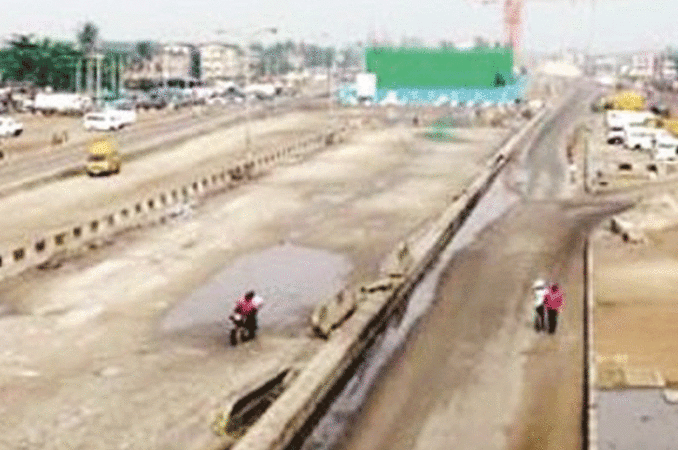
(242, 409)
(44, 249)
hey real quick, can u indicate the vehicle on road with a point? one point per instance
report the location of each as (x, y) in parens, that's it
(125, 110)
(103, 121)
(61, 103)
(640, 138)
(240, 332)
(620, 118)
(666, 147)
(10, 127)
(103, 157)
(152, 101)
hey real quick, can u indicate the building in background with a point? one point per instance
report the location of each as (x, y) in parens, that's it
(643, 65)
(665, 68)
(220, 62)
(171, 65)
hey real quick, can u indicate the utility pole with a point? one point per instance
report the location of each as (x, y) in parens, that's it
(78, 74)
(121, 81)
(114, 74)
(98, 81)
(246, 66)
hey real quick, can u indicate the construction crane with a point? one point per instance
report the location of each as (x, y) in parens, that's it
(513, 21)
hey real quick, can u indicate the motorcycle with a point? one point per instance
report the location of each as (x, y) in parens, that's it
(240, 332)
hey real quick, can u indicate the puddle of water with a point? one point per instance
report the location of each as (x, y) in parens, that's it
(332, 427)
(290, 279)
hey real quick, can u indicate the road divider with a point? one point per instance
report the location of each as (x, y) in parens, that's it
(44, 250)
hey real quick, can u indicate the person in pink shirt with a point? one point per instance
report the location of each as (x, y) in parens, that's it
(553, 301)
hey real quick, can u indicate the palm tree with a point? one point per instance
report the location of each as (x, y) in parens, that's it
(144, 50)
(88, 37)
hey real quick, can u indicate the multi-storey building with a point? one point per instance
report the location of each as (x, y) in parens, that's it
(172, 63)
(220, 61)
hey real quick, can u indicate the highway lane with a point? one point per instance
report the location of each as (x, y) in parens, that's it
(41, 166)
(472, 374)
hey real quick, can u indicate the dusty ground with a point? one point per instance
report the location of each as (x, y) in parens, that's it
(634, 283)
(636, 309)
(88, 364)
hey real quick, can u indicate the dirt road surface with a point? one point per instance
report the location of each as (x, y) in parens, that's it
(474, 374)
(124, 348)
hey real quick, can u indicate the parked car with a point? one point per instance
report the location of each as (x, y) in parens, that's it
(152, 101)
(10, 127)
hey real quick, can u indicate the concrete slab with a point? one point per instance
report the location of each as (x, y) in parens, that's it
(636, 419)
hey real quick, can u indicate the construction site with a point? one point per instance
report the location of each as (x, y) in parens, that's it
(393, 229)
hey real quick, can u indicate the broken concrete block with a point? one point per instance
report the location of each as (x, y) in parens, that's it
(330, 314)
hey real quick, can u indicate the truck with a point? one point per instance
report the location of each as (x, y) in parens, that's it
(641, 138)
(103, 157)
(62, 103)
(627, 100)
(621, 118)
(623, 100)
(366, 87)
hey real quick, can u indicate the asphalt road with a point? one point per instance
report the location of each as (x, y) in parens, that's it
(473, 374)
(42, 165)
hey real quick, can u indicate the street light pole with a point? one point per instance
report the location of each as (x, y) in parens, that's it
(330, 70)
(247, 57)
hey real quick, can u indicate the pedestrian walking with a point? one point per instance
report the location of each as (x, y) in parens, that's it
(539, 290)
(553, 301)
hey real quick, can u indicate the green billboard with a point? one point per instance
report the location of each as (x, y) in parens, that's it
(398, 68)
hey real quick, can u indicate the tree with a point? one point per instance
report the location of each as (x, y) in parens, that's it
(43, 63)
(88, 37)
(144, 50)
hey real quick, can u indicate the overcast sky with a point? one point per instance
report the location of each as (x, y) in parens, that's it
(549, 25)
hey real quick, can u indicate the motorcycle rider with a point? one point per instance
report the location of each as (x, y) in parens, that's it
(247, 307)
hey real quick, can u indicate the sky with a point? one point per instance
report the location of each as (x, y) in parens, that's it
(548, 25)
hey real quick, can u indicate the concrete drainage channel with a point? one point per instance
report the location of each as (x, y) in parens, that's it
(289, 411)
(158, 207)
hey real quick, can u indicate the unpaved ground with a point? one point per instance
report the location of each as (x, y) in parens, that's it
(636, 309)
(92, 367)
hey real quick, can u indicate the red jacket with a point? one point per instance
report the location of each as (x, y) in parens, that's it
(554, 299)
(245, 307)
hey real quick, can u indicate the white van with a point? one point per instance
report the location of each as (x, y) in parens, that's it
(125, 111)
(666, 147)
(103, 121)
(640, 138)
